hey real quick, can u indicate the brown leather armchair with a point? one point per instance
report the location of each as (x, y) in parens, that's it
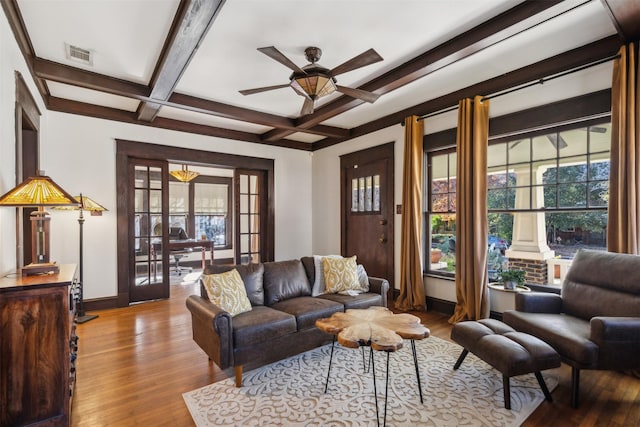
(595, 322)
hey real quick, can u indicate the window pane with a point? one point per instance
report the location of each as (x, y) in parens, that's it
(178, 197)
(254, 206)
(155, 201)
(550, 176)
(244, 223)
(376, 193)
(575, 171)
(354, 195)
(211, 227)
(439, 186)
(497, 179)
(573, 142)
(211, 198)
(453, 168)
(519, 151)
(600, 138)
(368, 202)
(599, 194)
(361, 194)
(572, 195)
(497, 199)
(545, 146)
(599, 170)
(496, 155)
(439, 167)
(440, 203)
(550, 196)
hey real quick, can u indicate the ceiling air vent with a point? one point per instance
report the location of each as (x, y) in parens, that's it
(79, 54)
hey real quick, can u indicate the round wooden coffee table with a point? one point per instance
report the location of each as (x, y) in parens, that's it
(379, 329)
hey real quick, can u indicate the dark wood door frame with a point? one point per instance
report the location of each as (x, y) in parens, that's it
(126, 149)
(27, 116)
(347, 161)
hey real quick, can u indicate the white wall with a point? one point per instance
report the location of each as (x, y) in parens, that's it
(11, 60)
(79, 154)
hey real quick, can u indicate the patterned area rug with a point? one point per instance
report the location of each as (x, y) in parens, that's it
(291, 392)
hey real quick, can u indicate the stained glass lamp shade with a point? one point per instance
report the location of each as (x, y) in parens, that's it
(184, 174)
(38, 191)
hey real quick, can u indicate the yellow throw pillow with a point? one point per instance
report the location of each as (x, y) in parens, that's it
(340, 274)
(226, 290)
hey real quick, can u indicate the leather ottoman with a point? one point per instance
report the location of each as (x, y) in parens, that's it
(510, 352)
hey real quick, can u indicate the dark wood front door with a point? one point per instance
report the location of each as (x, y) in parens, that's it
(367, 209)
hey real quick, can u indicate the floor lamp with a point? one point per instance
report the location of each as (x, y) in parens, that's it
(85, 204)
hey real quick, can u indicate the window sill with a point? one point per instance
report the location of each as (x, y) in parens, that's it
(438, 275)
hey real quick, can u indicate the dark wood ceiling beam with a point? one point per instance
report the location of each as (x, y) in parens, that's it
(61, 73)
(574, 58)
(190, 26)
(192, 103)
(107, 113)
(524, 16)
(625, 15)
(44, 69)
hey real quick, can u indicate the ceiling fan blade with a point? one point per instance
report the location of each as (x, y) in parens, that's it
(365, 58)
(262, 89)
(358, 93)
(307, 107)
(557, 141)
(275, 54)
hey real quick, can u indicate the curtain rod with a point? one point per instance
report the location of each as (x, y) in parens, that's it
(527, 85)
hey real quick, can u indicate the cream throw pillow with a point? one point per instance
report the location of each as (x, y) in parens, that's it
(227, 291)
(340, 274)
(319, 285)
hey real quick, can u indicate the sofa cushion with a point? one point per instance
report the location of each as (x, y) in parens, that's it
(363, 300)
(568, 335)
(251, 276)
(261, 325)
(308, 309)
(226, 290)
(341, 274)
(284, 280)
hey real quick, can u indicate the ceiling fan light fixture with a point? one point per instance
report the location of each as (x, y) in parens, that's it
(313, 86)
(184, 174)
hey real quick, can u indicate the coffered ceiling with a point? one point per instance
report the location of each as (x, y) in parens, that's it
(181, 64)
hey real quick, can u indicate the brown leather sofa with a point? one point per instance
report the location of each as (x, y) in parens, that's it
(595, 322)
(281, 322)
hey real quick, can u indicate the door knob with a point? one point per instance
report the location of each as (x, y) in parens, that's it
(383, 222)
(383, 238)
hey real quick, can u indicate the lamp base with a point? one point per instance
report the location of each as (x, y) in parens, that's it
(85, 318)
(40, 268)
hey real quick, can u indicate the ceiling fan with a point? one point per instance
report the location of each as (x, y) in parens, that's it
(313, 81)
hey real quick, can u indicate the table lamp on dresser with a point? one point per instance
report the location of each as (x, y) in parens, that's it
(38, 191)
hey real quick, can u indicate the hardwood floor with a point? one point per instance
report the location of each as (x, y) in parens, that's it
(134, 364)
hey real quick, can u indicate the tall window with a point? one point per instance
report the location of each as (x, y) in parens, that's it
(211, 210)
(178, 204)
(563, 177)
(201, 208)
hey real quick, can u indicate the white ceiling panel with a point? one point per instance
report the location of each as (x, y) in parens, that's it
(125, 37)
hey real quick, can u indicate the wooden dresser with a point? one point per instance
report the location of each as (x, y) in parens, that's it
(38, 348)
